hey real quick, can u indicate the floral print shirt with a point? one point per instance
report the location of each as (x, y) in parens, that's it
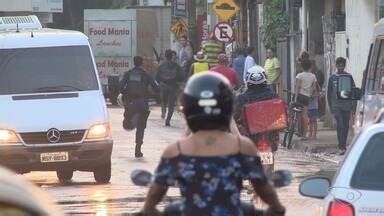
(209, 185)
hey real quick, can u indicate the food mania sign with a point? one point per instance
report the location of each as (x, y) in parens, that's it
(112, 46)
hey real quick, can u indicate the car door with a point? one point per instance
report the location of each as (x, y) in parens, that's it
(368, 178)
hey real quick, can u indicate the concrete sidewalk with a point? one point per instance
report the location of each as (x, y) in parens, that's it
(325, 146)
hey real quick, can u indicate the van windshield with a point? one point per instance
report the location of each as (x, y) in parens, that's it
(46, 69)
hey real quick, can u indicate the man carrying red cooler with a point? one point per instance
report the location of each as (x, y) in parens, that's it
(260, 115)
(257, 90)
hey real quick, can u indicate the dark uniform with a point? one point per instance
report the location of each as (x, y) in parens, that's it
(168, 75)
(134, 87)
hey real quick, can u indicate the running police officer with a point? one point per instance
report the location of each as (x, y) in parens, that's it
(134, 88)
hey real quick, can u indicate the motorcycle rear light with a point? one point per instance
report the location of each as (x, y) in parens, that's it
(263, 144)
(340, 208)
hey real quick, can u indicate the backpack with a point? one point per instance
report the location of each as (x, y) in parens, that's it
(134, 86)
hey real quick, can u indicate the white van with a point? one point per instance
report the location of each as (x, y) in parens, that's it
(372, 100)
(53, 115)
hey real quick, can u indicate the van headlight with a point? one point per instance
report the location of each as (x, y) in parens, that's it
(99, 131)
(8, 137)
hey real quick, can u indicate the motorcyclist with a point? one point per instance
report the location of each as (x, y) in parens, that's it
(257, 90)
(210, 164)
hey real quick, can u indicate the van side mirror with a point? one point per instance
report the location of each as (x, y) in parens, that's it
(357, 93)
(345, 89)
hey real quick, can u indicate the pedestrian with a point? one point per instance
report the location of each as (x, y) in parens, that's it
(223, 69)
(321, 101)
(212, 50)
(169, 74)
(185, 53)
(249, 61)
(134, 88)
(272, 69)
(303, 55)
(305, 87)
(238, 64)
(200, 64)
(313, 113)
(174, 56)
(210, 164)
(340, 108)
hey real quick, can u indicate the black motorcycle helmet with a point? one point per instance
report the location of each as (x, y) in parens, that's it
(208, 102)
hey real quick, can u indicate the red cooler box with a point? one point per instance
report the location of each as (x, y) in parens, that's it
(263, 116)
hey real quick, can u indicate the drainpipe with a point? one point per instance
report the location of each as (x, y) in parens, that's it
(192, 23)
(291, 51)
(289, 69)
(304, 27)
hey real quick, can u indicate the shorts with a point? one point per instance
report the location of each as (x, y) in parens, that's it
(303, 100)
(313, 113)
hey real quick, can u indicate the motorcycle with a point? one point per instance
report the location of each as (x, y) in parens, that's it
(263, 122)
(280, 178)
(267, 144)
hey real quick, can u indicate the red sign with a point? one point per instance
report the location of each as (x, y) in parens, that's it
(223, 32)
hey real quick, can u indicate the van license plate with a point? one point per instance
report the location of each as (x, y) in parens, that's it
(53, 157)
(266, 157)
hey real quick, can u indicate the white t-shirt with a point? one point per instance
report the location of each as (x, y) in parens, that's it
(307, 81)
(249, 62)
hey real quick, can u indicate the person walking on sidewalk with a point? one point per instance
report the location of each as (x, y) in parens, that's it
(168, 75)
(200, 64)
(272, 69)
(238, 64)
(212, 50)
(340, 108)
(305, 87)
(227, 71)
(313, 113)
(134, 88)
(185, 53)
(249, 61)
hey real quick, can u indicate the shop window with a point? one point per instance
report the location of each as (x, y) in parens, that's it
(380, 8)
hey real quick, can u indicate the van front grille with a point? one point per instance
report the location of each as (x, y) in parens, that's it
(42, 137)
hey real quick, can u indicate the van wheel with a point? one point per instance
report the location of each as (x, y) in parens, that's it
(102, 173)
(64, 175)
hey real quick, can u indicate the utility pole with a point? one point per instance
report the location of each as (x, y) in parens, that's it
(304, 44)
(192, 23)
(253, 28)
(243, 23)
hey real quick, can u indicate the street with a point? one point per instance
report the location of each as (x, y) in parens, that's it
(84, 197)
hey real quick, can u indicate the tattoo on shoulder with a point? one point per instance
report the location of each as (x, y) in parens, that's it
(210, 141)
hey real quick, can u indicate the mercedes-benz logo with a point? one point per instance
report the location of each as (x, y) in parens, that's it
(53, 135)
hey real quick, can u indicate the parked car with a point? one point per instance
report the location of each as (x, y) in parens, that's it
(358, 186)
(19, 197)
(53, 113)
